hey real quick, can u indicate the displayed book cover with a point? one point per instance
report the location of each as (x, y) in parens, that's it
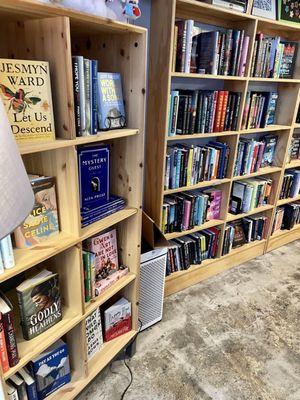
(117, 319)
(93, 329)
(51, 369)
(42, 223)
(111, 113)
(107, 269)
(214, 207)
(239, 237)
(93, 169)
(26, 92)
(39, 303)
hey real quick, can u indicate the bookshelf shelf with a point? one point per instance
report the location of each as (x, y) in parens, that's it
(274, 80)
(202, 135)
(282, 237)
(296, 125)
(199, 185)
(293, 164)
(207, 76)
(260, 172)
(54, 34)
(269, 128)
(281, 202)
(208, 224)
(233, 217)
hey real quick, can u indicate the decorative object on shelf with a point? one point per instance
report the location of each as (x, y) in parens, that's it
(289, 11)
(132, 9)
(236, 5)
(13, 181)
(264, 8)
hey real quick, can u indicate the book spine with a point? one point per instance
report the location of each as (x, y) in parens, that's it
(174, 48)
(228, 48)
(22, 316)
(3, 350)
(188, 53)
(81, 94)
(87, 276)
(7, 252)
(87, 94)
(1, 263)
(94, 97)
(253, 62)
(224, 107)
(239, 53)
(243, 60)
(75, 63)
(10, 338)
(31, 391)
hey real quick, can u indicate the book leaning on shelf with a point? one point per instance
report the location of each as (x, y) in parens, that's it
(26, 92)
(192, 249)
(42, 223)
(93, 330)
(259, 110)
(117, 319)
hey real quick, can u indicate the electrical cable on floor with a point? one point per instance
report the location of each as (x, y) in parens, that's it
(127, 366)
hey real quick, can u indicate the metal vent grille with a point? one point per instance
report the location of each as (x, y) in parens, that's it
(152, 282)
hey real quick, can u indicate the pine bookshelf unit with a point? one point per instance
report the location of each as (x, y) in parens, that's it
(163, 79)
(36, 31)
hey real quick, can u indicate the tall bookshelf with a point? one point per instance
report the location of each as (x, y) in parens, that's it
(35, 31)
(163, 79)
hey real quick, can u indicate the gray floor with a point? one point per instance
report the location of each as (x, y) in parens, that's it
(232, 337)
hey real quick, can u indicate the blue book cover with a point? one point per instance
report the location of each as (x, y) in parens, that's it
(94, 86)
(93, 170)
(51, 369)
(111, 112)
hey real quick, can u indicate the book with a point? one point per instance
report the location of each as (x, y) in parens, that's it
(207, 60)
(29, 384)
(88, 96)
(7, 320)
(111, 111)
(117, 319)
(93, 170)
(51, 369)
(18, 383)
(39, 303)
(3, 349)
(42, 223)
(94, 338)
(214, 203)
(77, 95)
(26, 93)
(7, 253)
(12, 392)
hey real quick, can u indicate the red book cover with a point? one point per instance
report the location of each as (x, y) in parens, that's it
(260, 156)
(9, 331)
(254, 157)
(3, 351)
(218, 113)
(216, 240)
(117, 319)
(224, 107)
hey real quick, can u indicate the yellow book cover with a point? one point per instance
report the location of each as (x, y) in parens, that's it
(26, 92)
(189, 167)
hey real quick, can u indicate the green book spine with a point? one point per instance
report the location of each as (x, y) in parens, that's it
(87, 276)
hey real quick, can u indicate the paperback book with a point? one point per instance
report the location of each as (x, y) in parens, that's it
(117, 319)
(94, 338)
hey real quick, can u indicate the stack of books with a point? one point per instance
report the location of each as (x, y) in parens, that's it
(7, 259)
(203, 111)
(192, 249)
(294, 150)
(286, 217)
(249, 194)
(198, 50)
(259, 110)
(101, 263)
(96, 202)
(244, 230)
(187, 165)
(253, 155)
(273, 57)
(291, 184)
(98, 98)
(184, 211)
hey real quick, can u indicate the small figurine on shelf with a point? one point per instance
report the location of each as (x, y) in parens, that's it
(131, 8)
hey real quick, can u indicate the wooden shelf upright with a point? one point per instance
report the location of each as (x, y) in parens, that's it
(36, 31)
(162, 79)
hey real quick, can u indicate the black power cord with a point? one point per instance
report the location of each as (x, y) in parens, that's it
(126, 364)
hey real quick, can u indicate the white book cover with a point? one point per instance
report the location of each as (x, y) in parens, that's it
(94, 338)
(7, 252)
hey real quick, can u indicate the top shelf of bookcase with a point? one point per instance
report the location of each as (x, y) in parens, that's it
(30, 9)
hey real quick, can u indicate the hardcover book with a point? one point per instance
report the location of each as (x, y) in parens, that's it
(117, 319)
(93, 328)
(26, 92)
(111, 113)
(39, 303)
(51, 369)
(6, 310)
(42, 223)
(93, 165)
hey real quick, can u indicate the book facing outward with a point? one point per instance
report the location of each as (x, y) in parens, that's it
(117, 319)
(94, 338)
(39, 303)
(42, 223)
(26, 92)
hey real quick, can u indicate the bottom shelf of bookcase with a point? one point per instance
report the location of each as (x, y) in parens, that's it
(282, 237)
(95, 365)
(197, 273)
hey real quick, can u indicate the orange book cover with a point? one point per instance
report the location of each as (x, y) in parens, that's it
(218, 111)
(224, 108)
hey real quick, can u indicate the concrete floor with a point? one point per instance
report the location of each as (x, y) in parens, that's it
(232, 337)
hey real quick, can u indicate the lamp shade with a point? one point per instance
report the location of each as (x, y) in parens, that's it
(16, 195)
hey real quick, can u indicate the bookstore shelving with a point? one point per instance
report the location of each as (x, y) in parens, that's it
(164, 79)
(54, 34)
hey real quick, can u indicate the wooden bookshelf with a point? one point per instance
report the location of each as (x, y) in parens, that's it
(163, 78)
(54, 34)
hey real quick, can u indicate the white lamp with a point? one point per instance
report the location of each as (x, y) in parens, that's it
(16, 195)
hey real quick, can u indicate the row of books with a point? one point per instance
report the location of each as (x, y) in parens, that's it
(187, 165)
(249, 194)
(219, 52)
(259, 110)
(203, 111)
(98, 98)
(192, 249)
(184, 211)
(273, 57)
(286, 217)
(7, 259)
(101, 263)
(291, 184)
(253, 154)
(245, 230)
(294, 149)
